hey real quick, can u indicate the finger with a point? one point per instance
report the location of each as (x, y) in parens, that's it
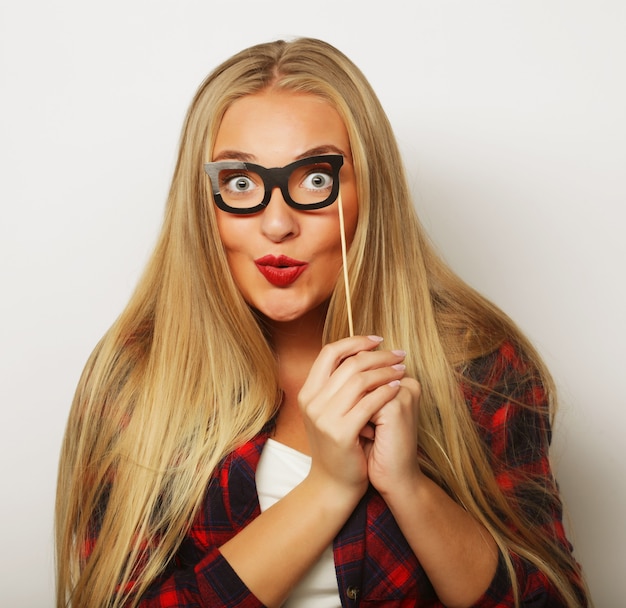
(362, 362)
(411, 389)
(332, 355)
(342, 391)
(367, 432)
(357, 386)
(404, 403)
(366, 409)
(344, 424)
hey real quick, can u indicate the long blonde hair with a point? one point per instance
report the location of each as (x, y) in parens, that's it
(186, 373)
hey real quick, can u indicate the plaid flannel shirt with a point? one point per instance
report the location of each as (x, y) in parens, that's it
(374, 564)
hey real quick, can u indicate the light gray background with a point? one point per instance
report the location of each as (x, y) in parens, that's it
(511, 116)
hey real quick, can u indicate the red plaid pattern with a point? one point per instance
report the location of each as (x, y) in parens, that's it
(375, 565)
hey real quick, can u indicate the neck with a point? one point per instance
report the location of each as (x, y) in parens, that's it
(297, 339)
(296, 344)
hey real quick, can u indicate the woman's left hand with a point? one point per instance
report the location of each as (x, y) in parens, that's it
(391, 441)
(457, 553)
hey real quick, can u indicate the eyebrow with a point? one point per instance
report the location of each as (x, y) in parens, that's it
(245, 157)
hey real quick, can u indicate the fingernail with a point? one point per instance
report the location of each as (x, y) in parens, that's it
(394, 383)
(399, 353)
(377, 339)
(399, 367)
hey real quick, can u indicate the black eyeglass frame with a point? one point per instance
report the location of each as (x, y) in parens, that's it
(278, 177)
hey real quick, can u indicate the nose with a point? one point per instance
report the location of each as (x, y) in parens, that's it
(279, 222)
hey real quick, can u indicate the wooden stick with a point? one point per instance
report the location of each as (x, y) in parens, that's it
(344, 256)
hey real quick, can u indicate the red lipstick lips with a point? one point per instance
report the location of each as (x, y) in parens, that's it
(280, 271)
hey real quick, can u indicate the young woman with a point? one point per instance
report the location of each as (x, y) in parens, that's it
(230, 444)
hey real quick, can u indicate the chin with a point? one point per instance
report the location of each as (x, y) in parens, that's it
(281, 314)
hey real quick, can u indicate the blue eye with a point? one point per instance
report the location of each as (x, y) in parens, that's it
(240, 183)
(318, 181)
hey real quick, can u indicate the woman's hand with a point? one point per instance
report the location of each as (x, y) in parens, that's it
(347, 386)
(457, 553)
(392, 462)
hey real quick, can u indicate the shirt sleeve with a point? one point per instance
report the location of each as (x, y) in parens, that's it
(199, 576)
(211, 582)
(513, 419)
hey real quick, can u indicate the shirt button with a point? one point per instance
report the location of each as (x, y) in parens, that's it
(352, 592)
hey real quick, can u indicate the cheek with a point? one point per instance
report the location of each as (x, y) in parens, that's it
(233, 234)
(232, 231)
(350, 214)
(224, 227)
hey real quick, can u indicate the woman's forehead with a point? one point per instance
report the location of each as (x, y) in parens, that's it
(277, 127)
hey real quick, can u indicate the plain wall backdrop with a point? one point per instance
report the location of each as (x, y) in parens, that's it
(512, 120)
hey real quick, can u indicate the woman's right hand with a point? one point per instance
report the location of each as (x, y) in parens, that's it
(348, 383)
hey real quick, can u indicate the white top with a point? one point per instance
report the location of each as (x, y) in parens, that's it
(281, 469)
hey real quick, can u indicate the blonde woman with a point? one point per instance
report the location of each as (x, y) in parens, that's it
(231, 445)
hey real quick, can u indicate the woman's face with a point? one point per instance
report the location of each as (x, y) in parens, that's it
(274, 129)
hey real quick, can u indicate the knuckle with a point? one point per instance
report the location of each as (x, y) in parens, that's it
(361, 355)
(304, 399)
(329, 355)
(330, 348)
(412, 385)
(360, 382)
(329, 430)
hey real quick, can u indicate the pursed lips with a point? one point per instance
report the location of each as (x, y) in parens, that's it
(281, 270)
